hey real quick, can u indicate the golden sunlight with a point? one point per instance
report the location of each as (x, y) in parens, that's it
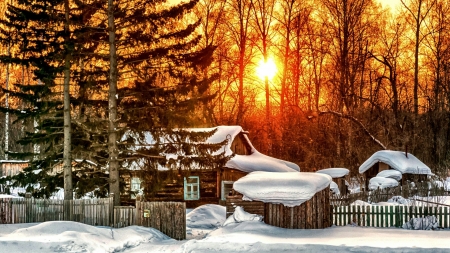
(266, 69)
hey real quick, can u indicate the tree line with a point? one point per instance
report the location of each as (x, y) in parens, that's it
(353, 77)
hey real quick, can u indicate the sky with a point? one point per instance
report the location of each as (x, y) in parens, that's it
(243, 233)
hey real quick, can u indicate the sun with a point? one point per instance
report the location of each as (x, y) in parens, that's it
(266, 69)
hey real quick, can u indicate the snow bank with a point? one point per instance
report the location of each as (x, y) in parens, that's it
(240, 215)
(287, 188)
(400, 200)
(425, 223)
(206, 216)
(382, 183)
(394, 174)
(67, 236)
(7, 196)
(397, 160)
(334, 172)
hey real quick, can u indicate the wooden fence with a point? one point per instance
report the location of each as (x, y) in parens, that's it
(387, 216)
(94, 212)
(168, 217)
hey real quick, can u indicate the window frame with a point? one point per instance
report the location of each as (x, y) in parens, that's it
(191, 194)
(222, 189)
(132, 190)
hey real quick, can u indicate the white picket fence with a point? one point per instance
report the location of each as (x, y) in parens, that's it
(387, 216)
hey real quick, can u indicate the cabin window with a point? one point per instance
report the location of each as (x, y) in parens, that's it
(135, 186)
(192, 188)
(227, 187)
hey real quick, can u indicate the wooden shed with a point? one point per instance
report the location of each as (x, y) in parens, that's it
(411, 167)
(285, 211)
(338, 176)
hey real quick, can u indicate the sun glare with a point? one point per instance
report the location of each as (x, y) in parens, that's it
(266, 69)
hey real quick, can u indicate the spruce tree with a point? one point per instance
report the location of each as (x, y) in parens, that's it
(159, 73)
(50, 41)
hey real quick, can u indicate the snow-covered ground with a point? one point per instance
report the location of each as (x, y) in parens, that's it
(205, 234)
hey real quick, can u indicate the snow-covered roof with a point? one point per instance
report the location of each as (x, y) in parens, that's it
(335, 188)
(382, 183)
(13, 161)
(394, 174)
(222, 133)
(246, 163)
(334, 172)
(287, 188)
(397, 160)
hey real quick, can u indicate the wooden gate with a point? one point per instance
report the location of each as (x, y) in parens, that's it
(167, 217)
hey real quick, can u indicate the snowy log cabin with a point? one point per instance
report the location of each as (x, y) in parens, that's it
(197, 185)
(284, 199)
(386, 166)
(339, 185)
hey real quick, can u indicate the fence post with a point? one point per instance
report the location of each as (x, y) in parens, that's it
(111, 209)
(28, 207)
(137, 210)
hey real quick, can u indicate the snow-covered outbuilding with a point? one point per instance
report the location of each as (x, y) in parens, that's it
(201, 185)
(284, 199)
(339, 178)
(408, 165)
(12, 167)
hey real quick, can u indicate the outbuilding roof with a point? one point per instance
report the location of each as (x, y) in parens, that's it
(397, 160)
(287, 188)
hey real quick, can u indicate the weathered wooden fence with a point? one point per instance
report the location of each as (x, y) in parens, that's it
(96, 212)
(167, 217)
(387, 216)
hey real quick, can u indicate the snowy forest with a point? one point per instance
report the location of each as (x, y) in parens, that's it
(321, 83)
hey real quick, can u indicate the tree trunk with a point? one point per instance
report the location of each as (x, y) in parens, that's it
(67, 153)
(112, 109)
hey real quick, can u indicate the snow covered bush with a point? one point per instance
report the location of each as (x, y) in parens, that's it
(425, 223)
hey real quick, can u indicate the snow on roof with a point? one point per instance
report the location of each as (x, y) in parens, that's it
(287, 188)
(382, 183)
(334, 188)
(222, 133)
(397, 160)
(334, 172)
(246, 163)
(394, 174)
(260, 162)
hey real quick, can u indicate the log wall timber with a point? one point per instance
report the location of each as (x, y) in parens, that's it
(231, 174)
(255, 207)
(171, 188)
(240, 145)
(312, 214)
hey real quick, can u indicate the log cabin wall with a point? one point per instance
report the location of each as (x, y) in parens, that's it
(370, 173)
(240, 145)
(312, 214)
(255, 207)
(172, 187)
(12, 168)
